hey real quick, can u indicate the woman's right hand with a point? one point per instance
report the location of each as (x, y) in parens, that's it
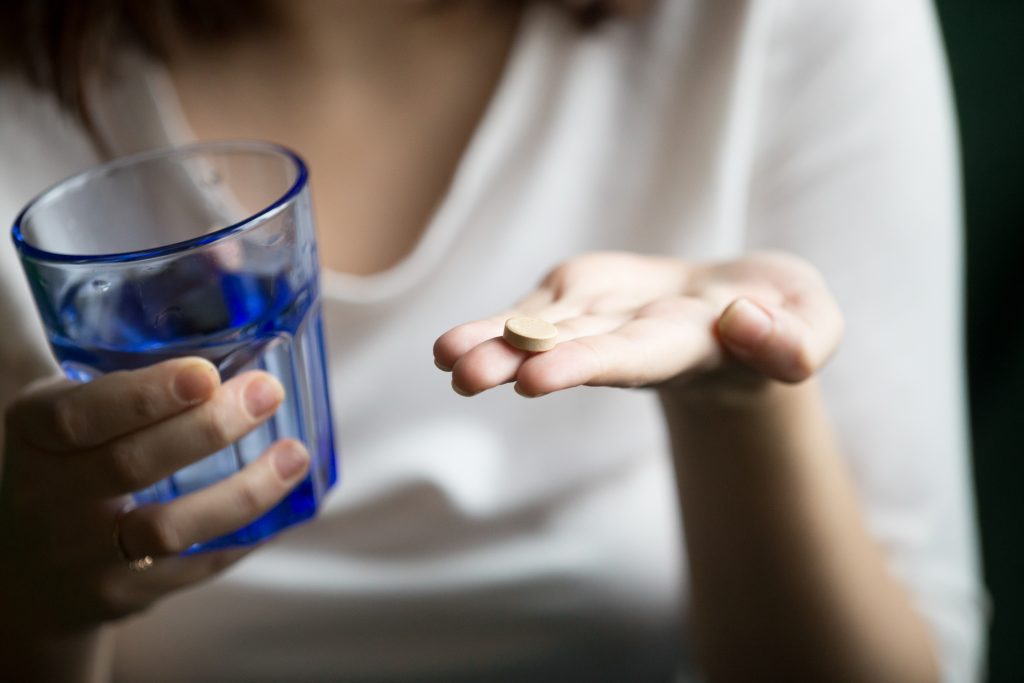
(72, 455)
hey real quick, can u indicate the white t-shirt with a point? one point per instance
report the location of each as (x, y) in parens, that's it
(504, 539)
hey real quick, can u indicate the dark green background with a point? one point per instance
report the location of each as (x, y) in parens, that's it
(985, 39)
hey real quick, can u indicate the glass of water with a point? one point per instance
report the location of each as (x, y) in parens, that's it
(202, 250)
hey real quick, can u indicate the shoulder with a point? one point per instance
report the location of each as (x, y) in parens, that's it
(856, 34)
(866, 72)
(787, 44)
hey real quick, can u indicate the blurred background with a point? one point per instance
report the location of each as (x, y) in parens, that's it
(985, 39)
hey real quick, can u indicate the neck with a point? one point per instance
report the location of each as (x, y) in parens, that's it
(367, 40)
(381, 98)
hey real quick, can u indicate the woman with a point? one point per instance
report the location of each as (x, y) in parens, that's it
(462, 153)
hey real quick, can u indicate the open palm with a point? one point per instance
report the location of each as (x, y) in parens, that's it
(628, 320)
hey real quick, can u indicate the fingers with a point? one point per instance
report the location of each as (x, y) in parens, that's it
(165, 531)
(172, 573)
(494, 362)
(788, 343)
(65, 417)
(665, 321)
(137, 460)
(540, 303)
(606, 286)
(646, 351)
(648, 346)
(121, 596)
(456, 342)
(786, 334)
(228, 505)
(486, 365)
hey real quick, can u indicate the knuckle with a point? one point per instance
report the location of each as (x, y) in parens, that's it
(249, 496)
(215, 429)
(67, 423)
(162, 536)
(144, 403)
(801, 366)
(558, 277)
(579, 267)
(126, 470)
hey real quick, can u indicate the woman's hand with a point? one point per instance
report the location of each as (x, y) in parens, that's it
(73, 453)
(628, 320)
(784, 572)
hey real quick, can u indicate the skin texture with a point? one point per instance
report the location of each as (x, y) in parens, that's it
(381, 97)
(782, 569)
(88, 446)
(627, 320)
(784, 579)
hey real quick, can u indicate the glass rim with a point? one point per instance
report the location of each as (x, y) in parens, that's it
(28, 250)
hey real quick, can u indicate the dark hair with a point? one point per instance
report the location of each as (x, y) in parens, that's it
(57, 45)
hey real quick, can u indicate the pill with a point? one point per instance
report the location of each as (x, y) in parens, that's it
(530, 334)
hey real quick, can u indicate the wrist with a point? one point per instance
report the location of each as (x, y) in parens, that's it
(736, 390)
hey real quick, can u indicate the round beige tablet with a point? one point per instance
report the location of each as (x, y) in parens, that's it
(530, 334)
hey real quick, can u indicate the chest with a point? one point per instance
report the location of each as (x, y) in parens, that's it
(382, 141)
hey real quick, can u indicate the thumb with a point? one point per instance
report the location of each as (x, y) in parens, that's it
(775, 341)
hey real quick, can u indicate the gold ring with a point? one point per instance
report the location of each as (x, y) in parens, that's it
(140, 564)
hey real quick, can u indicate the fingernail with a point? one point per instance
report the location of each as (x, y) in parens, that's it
(441, 367)
(262, 396)
(745, 323)
(290, 460)
(195, 383)
(459, 390)
(519, 390)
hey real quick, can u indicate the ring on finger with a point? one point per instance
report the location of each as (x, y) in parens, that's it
(139, 564)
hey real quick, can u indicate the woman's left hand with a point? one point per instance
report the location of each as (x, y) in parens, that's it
(628, 320)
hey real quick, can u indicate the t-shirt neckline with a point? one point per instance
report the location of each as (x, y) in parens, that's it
(481, 161)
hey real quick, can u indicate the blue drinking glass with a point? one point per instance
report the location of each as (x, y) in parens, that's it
(201, 250)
